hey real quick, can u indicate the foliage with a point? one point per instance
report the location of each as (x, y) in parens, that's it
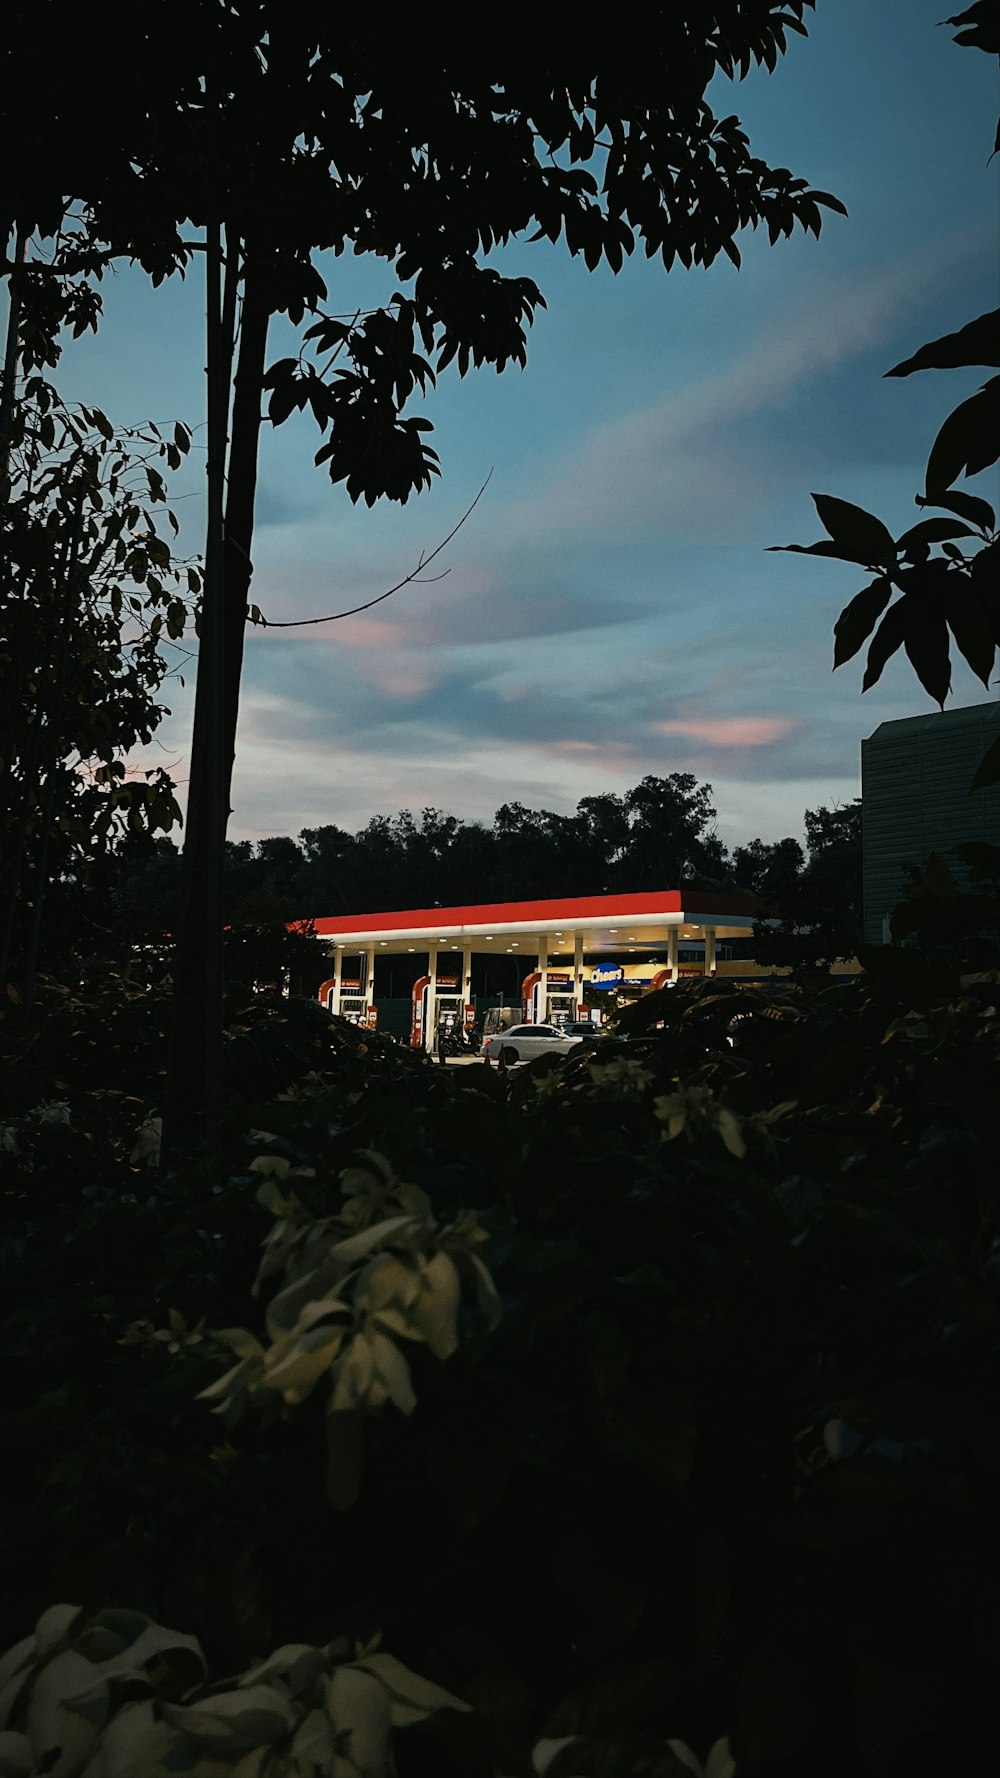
(414, 153)
(724, 1465)
(118, 1696)
(280, 137)
(819, 909)
(354, 1284)
(952, 912)
(945, 569)
(658, 834)
(91, 596)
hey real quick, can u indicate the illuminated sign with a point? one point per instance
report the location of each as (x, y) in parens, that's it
(606, 975)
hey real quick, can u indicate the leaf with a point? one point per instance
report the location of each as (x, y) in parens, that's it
(134, 1741)
(54, 1627)
(234, 1722)
(980, 27)
(888, 637)
(52, 1722)
(353, 1376)
(978, 342)
(296, 1664)
(16, 1757)
(970, 627)
(239, 1341)
(142, 1640)
(835, 551)
(728, 1126)
(435, 1311)
(858, 619)
(720, 1762)
(926, 644)
(358, 1246)
(984, 576)
(545, 1751)
(967, 506)
(393, 1372)
(411, 1698)
(314, 1746)
(988, 769)
(297, 1374)
(359, 1709)
(271, 1164)
(968, 442)
(16, 1659)
(929, 531)
(852, 527)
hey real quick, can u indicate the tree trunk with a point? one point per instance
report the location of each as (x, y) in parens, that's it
(12, 355)
(242, 488)
(194, 1074)
(194, 1084)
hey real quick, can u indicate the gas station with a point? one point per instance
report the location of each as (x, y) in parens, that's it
(573, 950)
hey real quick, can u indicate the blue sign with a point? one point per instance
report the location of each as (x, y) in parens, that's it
(606, 975)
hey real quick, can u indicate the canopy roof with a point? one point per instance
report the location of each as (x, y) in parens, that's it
(607, 923)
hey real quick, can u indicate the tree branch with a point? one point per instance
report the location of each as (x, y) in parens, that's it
(299, 623)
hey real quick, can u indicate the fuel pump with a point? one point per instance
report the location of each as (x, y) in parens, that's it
(450, 1020)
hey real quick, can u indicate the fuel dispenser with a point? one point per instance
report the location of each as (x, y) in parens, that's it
(354, 1007)
(451, 1015)
(558, 1006)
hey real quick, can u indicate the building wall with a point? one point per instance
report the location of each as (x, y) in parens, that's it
(915, 777)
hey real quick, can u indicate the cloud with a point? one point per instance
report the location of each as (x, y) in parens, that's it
(675, 464)
(396, 680)
(513, 595)
(731, 731)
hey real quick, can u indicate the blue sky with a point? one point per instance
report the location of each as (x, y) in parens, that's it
(609, 609)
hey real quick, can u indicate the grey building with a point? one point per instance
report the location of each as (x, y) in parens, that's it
(915, 777)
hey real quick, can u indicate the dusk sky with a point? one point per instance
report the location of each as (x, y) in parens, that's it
(609, 609)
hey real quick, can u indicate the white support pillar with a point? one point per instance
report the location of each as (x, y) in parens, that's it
(709, 950)
(369, 995)
(578, 976)
(466, 977)
(672, 952)
(543, 986)
(338, 976)
(432, 971)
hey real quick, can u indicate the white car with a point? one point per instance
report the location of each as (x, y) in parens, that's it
(522, 1042)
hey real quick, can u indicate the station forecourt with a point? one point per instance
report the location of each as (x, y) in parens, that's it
(578, 954)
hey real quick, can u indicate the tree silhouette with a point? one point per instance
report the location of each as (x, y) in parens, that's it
(946, 570)
(279, 133)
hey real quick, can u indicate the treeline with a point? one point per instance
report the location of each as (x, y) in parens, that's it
(660, 834)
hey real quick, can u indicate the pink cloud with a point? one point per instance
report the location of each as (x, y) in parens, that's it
(730, 731)
(367, 632)
(400, 682)
(609, 756)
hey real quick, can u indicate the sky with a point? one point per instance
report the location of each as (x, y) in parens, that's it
(609, 609)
